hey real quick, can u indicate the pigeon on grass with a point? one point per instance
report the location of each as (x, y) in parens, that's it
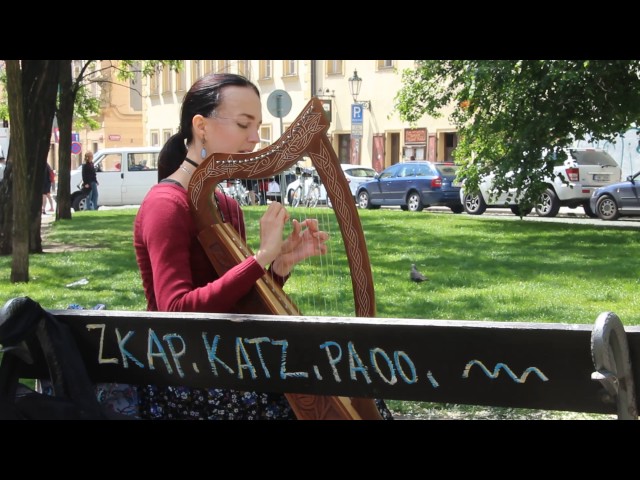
(415, 275)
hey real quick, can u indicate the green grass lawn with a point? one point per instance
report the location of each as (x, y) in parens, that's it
(479, 268)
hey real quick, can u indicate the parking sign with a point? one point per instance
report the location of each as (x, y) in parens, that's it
(356, 113)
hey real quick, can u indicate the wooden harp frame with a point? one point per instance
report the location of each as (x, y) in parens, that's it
(226, 248)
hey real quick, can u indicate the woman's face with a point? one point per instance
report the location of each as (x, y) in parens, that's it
(235, 125)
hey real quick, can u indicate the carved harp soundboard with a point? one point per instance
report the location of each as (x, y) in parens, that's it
(226, 248)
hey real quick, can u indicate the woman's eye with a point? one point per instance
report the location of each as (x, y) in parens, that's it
(243, 126)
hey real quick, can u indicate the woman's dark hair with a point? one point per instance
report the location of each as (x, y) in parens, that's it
(204, 96)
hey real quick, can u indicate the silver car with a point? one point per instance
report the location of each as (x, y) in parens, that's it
(573, 182)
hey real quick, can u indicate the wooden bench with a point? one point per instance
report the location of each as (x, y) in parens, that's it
(567, 367)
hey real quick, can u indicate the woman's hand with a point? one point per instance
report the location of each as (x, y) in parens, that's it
(271, 231)
(306, 240)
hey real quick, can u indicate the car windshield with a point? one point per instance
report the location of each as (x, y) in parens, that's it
(447, 169)
(361, 172)
(593, 157)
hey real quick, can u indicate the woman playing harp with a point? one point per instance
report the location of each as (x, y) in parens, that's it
(220, 113)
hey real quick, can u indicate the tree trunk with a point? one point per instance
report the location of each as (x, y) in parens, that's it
(32, 89)
(40, 89)
(65, 124)
(19, 222)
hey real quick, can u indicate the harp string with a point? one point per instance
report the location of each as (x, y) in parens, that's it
(319, 285)
(305, 136)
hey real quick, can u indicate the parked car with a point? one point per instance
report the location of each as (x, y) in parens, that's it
(125, 175)
(413, 186)
(572, 184)
(618, 199)
(356, 175)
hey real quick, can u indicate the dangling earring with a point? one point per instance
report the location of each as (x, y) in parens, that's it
(203, 152)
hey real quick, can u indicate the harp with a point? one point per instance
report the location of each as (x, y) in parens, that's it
(225, 247)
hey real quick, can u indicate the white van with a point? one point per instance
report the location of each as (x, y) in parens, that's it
(125, 175)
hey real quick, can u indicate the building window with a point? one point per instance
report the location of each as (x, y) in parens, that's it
(290, 68)
(196, 70)
(154, 86)
(243, 68)
(265, 69)
(166, 79)
(181, 80)
(166, 134)
(223, 66)
(154, 138)
(265, 136)
(385, 64)
(334, 67)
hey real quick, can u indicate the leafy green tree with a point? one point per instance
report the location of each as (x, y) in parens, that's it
(515, 115)
(33, 87)
(77, 107)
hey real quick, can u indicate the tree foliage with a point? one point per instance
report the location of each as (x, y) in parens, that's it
(514, 115)
(38, 90)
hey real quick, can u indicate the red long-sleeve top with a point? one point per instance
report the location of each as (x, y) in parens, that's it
(177, 275)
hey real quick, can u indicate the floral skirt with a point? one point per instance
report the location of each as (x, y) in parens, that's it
(184, 403)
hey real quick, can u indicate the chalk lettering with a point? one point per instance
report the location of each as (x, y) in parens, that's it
(355, 364)
(257, 341)
(211, 354)
(413, 378)
(242, 352)
(503, 366)
(169, 338)
(154, 340)
(432, 379)
(101, 327)
(124, 352)
(283, 362)
(333, 360)
(378, 352)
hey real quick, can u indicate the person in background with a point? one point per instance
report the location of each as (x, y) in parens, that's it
(3, 164)
(90, 181)
(273, 192)
(221, 112)
(47, 182)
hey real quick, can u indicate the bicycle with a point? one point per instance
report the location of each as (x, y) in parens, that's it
(308, 191)
(236, 190)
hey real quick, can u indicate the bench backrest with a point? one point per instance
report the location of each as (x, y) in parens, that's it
(581, 368)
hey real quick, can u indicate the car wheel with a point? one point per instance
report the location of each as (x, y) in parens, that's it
(548, 204)
(79, 202)
(474, 204)
(587, 210)
(414, 202)
(519, 210)
(607, 209)
(363, 199)
(457, 209)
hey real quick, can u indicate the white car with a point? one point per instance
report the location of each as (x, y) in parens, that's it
(125, 175)
(584, 170)
(354, 174)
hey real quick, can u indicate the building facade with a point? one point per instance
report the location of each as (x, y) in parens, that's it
(380, 140)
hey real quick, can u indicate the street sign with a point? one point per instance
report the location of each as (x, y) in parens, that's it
(356, 130)
(279, 103)
(76, 148)
(356, 113)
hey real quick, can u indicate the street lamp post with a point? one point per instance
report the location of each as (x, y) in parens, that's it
(355, 83)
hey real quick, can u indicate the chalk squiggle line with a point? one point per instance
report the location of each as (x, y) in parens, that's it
(502, 366)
